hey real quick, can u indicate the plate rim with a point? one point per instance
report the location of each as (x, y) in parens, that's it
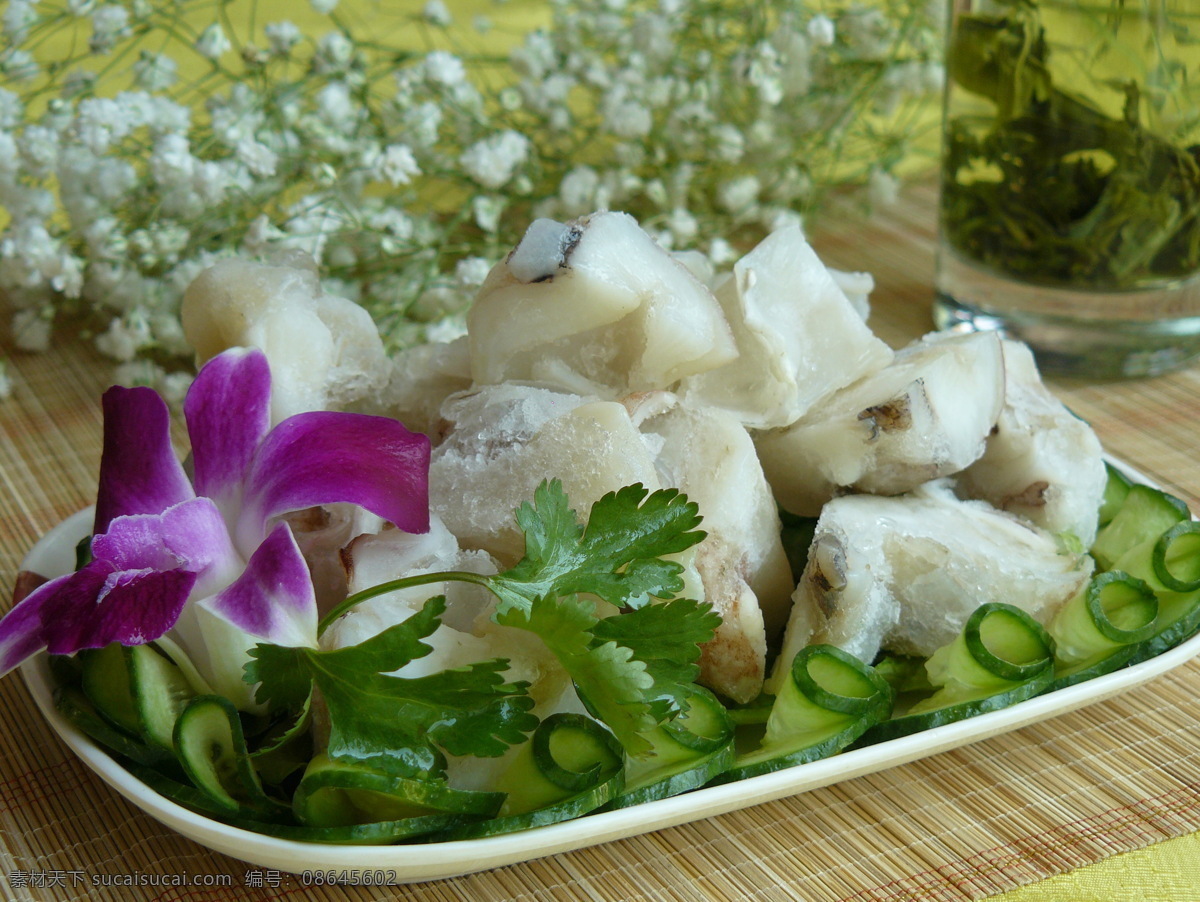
(414, 863)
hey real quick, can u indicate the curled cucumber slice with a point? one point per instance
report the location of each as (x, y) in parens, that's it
(571, 765)
(688, 752)
(1002, 656)
(1097, 631)
(830, 699)
(341, 794)
(212, 750)
(1144, 514)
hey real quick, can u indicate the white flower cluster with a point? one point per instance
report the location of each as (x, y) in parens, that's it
(703, 118)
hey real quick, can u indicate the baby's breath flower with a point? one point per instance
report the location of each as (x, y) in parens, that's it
(821, 29)
(125, 337)
(334, 53)
(212, 42)
(470, 272)
(435, 12)
(11, 110)
(701, 120)
(493, 161)
(154, 71)
(444, 68)
(282, 36)
(486, 211)
(18, 17)
(739, 195)
(18, 65)
(110, 24)
(31, 330)
(397, 165)
(256, 156)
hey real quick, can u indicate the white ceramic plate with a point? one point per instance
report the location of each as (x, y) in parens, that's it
(54, 555)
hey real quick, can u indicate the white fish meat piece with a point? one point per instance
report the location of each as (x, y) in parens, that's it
(708, 455)
(924, 416)
(1041, 462)
(904, 573)
(325, 352)
(597, 307)
(799, 337)
(421, 378)
(857, 286)
(501, 441)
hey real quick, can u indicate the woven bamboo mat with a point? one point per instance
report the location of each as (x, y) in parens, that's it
(1113, 777)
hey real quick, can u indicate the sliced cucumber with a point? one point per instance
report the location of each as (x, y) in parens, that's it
(830, 699)
(1178, 619)
(1145, 514)
(1170, 565)
(107, 682)
(689, 751)
(79, 710)
(1176, 557)
(1096, 631)
(1001, 657)
(160, 692)
(379, 833)
(341, 794)
(1115, 490)
(756, 712)
(571, 765)
(212, 751)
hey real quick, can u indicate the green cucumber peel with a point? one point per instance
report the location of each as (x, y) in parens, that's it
(829, 699)
(335, 793)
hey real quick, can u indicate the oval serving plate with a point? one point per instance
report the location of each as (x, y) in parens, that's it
(54, 555)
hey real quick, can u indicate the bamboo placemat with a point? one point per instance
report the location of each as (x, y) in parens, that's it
(1113, 777)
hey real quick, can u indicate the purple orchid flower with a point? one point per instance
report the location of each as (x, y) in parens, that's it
(209, 557)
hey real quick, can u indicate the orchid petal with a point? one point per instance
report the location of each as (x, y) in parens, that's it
(132, 607)
(323, 457)
(191, 535)
(21, 628)
(139, 472)
(273, 600)
(91, 608)
(228, 412)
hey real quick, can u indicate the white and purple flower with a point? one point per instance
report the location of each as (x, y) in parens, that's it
(209, 557)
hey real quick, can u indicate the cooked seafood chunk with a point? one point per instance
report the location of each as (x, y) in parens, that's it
(325, 351)
(799, 337)
(744, 572)
(924, 416)
(596, 307)
(904, 573)
(501, 441)
(1041, 461)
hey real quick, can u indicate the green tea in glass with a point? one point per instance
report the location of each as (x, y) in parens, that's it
(1070, 190)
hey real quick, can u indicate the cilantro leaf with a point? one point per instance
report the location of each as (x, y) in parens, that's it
(667, 638)
(631, 669)
(614, 683)
(617, 556)
(400, 724)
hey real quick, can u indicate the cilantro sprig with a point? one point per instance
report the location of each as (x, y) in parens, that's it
(630, 669)
(398, 724)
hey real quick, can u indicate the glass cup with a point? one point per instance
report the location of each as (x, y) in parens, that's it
(1069, 214)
